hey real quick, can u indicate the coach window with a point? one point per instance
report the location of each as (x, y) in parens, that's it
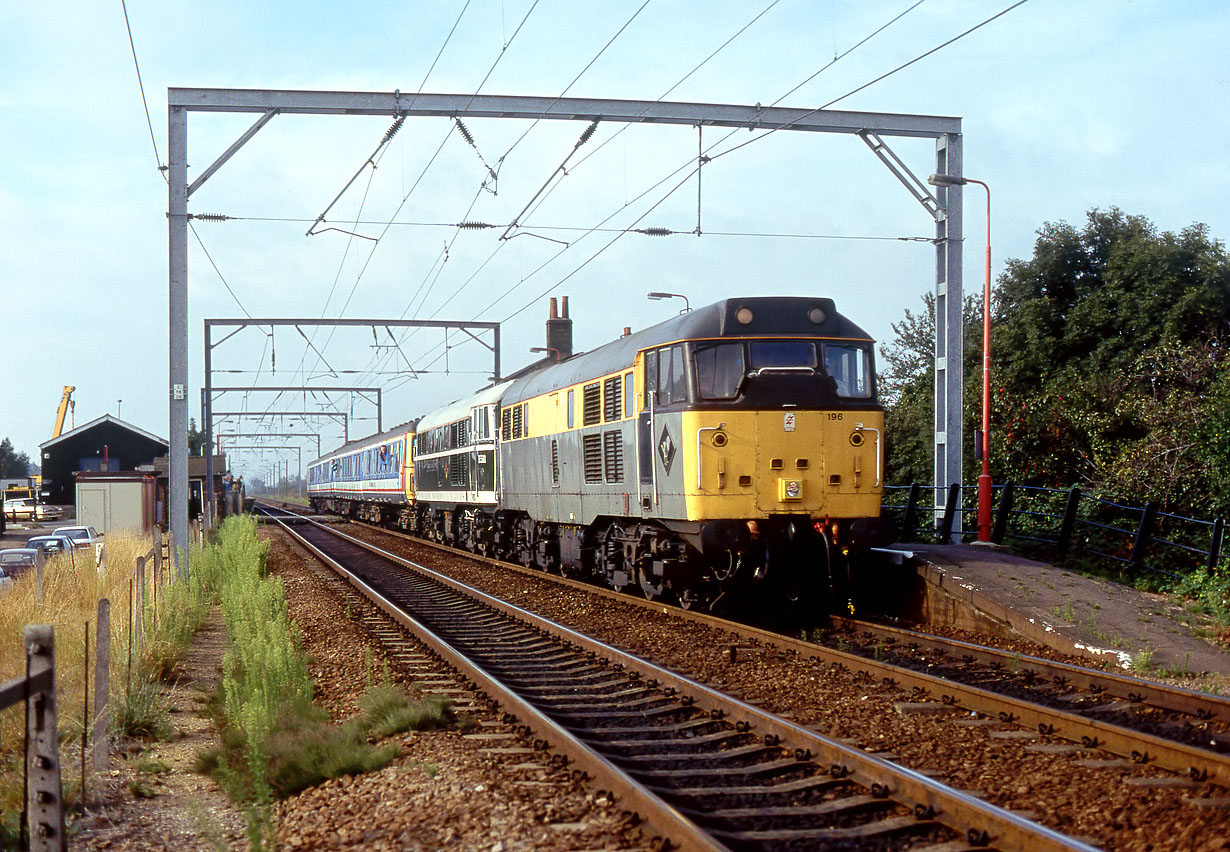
(572, 408)
(629, 390)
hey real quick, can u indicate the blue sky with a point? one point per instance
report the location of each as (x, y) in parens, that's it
(1065, 107)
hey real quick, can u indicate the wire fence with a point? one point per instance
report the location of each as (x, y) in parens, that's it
(1059, 523)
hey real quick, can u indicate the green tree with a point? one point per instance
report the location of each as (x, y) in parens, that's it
(196, 439)
(1107, 344)
(907, 387)
(1111, 351)
(12, 463)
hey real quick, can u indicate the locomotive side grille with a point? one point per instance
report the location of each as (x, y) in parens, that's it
(613, 456)
(518, 422)
(554, 462)
(611, 399)
(506, 424)
(591, 404)
(591, 457)
(459, 470)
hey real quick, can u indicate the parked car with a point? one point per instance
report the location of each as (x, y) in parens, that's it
(51, 545)
(81, 536)
(15, 561)
(21, 507)
(47, 512)
(25, 508)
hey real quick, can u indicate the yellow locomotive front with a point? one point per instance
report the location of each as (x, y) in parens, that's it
(767, 449)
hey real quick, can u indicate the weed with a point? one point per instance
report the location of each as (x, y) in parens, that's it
(141, 712)
(1142, 660)
(1064, 612)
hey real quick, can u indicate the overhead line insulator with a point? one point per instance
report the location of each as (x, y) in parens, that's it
(655, 232)
(393, 128)
(589, 132)
(475, 226)
(210, 217)
(465, 133)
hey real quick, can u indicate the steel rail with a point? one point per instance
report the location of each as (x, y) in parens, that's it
(1139, 746)
(978, 821)
(662, 817)
(1190, 702)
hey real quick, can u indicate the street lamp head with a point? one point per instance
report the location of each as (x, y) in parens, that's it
(656, 296)
(946, 180)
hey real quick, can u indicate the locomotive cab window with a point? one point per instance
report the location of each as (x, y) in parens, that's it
(783, 355)
(850, 366)
(719, 370)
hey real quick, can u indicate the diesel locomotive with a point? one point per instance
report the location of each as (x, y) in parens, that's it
(729, 454)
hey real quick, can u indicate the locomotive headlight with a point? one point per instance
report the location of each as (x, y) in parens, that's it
(719, 439)
(857, 439)
(817, 315)
(744, 316)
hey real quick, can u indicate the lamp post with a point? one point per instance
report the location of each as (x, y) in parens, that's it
(984, 435)
(687, 306)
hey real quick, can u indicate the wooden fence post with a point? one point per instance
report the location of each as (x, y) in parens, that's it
(44, 804)
(102, 687)
(38, 578)
(140, 604)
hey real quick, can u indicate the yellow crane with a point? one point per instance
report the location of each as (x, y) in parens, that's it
(65, 402)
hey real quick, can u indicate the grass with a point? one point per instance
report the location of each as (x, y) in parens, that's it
(275, 741)
(1065, 612)
(72, 587)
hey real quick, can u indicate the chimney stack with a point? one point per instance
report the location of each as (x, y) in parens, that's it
(559, 331)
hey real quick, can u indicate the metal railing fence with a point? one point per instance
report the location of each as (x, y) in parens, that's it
(1059, 523)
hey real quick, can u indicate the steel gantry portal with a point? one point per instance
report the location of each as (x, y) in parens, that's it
(207, 396)
(871, 127)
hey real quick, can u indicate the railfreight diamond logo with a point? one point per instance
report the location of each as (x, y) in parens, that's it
(666, 450)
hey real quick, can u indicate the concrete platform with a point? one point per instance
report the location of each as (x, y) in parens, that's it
(985, 588)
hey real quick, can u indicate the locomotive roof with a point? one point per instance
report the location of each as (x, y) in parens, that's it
(771, 316)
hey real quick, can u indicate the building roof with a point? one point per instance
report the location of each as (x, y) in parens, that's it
(196, 466)
(106, 418)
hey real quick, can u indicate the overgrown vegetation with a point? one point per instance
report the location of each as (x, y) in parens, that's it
(1111, 373)
(275, 741)
(72, 587)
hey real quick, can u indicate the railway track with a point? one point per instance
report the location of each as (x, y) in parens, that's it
(1178, 730)
(702, 768)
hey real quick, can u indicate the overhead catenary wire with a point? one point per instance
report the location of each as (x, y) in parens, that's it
(620, 232)
(710, 149)
(141, 85)
(878, 79)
